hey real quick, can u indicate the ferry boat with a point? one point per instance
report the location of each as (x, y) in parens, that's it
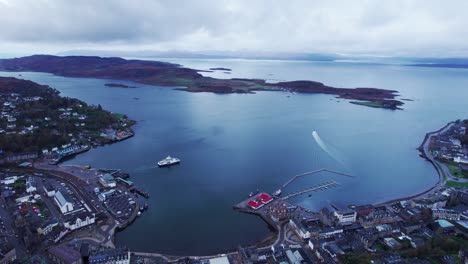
(169, 161)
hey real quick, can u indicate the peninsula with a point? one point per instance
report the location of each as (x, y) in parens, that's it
(169, 74)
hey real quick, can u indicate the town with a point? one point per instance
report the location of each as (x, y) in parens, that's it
(449, 151)
(52, 213)
(36, 122)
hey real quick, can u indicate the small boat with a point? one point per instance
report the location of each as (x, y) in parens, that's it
(168, 161)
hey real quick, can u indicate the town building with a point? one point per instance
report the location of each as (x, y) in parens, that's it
(111, 256)
(30, 185)
(49, 189)
(447, 214)
(107, 181)
(345, 217)
(64, 204)
(62, 254)
(81, 220)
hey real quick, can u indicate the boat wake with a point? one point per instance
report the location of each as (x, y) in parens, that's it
(326, 148)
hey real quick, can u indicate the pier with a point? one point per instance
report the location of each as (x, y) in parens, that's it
(320, 187)
(278, 192)
(140, 191)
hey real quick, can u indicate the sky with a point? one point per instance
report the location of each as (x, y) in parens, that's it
(358, 27)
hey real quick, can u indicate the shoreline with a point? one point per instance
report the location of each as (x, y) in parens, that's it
(174, 75)
(424, 156)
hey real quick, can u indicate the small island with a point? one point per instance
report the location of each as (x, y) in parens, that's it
(169, 74)
(220, 69)
(118, 85)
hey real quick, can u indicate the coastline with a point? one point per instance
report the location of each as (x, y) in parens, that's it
(174, 75)
(424, 155)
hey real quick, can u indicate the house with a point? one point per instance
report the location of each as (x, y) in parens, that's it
(391, 242)
(64, 204)
(23, 199)
(49, 189)
(30, 185)
(62, 254)
(10, 180)
(47, 227)
(333, 250)
(7, 253)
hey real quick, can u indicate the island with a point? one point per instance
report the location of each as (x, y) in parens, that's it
(118, 85)
(169, 74)
(220, 69)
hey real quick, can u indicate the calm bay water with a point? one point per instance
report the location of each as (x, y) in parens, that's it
(233, 144)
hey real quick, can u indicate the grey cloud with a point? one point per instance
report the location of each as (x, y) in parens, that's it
(410, 27)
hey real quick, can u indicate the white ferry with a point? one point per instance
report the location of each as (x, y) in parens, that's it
(169, 161)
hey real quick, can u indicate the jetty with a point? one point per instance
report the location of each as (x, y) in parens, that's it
(320, 187)
(280, 190)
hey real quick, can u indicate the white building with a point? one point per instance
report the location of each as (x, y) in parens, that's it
(23, 199)
(30, 185)
(105, 195)
(49, 190)
(299, 228)
(219, 260)
(459, 159)
(345, 217)
(64, 205)
(107, 181)
(10, 180)
(80, 221)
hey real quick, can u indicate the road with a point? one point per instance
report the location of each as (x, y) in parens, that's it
(440, 166)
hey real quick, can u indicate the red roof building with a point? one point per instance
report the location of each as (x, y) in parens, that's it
(259, 201)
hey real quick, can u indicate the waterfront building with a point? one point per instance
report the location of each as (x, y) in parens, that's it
(105, 195)
(111, 256)
(64, 205)
(259, 201)
(107, 181)
(345, 217)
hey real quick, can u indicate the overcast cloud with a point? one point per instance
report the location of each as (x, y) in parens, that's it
(386, 28)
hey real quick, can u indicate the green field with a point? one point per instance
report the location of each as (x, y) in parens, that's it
(119, 116)
(367, 103)
(457, 171)
(456, 184)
